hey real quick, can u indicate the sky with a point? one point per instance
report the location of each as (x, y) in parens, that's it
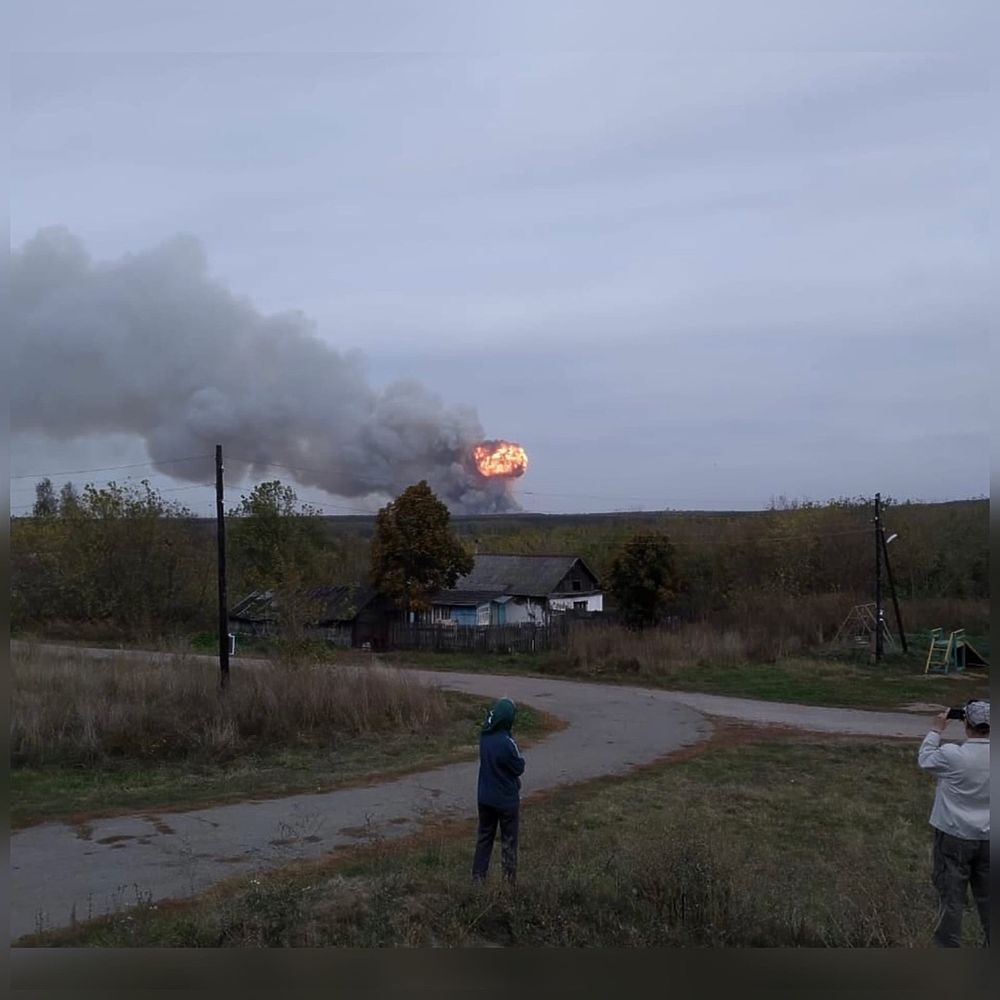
(687, 261)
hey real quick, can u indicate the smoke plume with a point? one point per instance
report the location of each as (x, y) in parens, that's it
(152, 345)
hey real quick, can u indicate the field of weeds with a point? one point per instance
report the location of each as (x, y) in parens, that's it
(89, 737)
(780, 843)
(70, 709)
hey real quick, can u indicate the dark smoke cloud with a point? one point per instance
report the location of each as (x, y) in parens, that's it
(151, 345)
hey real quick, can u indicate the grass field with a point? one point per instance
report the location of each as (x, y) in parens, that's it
(693, 658)
(93, 738)
(755, 841)
(835, 681)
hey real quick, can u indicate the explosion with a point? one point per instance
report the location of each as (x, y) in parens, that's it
(78, 324)
(500, 458)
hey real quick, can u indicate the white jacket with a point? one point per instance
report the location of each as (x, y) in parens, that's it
(962, 800)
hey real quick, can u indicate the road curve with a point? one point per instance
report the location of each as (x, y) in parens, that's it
(60, 872)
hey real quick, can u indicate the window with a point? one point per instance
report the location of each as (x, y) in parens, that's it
(576, 585)
(579, 605)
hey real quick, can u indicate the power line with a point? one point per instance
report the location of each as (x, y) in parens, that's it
(775, 539)
(593, 496)
(112, 468)
(326, 505)
(276, 465)
(172, 489)
(579, 496)
(153, 479)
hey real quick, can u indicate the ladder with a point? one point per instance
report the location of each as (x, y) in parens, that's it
(945, 655)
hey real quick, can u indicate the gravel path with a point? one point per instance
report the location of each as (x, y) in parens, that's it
(60, 872)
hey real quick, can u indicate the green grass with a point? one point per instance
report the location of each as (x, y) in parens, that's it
(67, 792)
(834, 681)
(776, 844)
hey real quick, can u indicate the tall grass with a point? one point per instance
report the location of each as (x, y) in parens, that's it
(758, 631)
(68, 709)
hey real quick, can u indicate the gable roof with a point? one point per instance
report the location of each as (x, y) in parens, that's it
(337, 604)
(521, 576)
(464, 598)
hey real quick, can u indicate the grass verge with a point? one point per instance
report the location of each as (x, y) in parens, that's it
(833, 681)
(760, 840)
(702, 660)
(93, 738)
(74, 794)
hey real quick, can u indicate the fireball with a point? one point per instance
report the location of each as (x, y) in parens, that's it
(499, 458)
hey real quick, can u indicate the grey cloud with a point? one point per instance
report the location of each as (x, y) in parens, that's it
(152, 346)
(713, 255)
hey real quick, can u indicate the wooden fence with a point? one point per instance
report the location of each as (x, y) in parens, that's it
(477, 638)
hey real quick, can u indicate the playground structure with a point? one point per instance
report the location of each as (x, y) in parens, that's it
(858, 628)
(952, 654)
(948, 653)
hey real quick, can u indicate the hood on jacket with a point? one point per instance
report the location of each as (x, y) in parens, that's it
(500, 716)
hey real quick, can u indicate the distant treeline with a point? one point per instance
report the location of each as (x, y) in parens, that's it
(791, 550)
(123, 560)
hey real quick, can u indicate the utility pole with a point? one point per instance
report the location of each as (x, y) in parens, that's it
(220, 534)
(892, 588)
(878, 580)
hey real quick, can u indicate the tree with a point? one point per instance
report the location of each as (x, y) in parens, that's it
(122, 560)
(643, 579)
(69, 499)
(128, 555)
(278, 545)
(414, 551)
(272, 534)
(46, 504)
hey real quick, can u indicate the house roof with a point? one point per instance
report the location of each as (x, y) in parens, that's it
(522, 576)
(464, 598)
(337, 604)
(343, 603)
(255, 606)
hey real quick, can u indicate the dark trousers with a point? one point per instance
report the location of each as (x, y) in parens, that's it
(959, 864)
(489, 819)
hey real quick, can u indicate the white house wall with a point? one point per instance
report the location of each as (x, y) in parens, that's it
(595, 602)
(525, 610)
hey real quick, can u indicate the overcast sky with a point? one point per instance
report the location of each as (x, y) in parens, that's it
(681, 277)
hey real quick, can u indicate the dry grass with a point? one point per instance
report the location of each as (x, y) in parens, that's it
(774, 844)
(923, 614)
(763, 631)
(610, 648)
(69, 709)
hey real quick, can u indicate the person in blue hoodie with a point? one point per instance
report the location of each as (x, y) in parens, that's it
(500, 768)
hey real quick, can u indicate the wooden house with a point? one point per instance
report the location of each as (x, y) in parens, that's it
(348, 615)
(518, 589)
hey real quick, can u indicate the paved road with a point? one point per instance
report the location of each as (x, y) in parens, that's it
(59, 872)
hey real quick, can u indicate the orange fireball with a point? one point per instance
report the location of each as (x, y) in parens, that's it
(499, 458)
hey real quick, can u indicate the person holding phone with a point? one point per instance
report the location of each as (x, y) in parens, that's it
(960, 818)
